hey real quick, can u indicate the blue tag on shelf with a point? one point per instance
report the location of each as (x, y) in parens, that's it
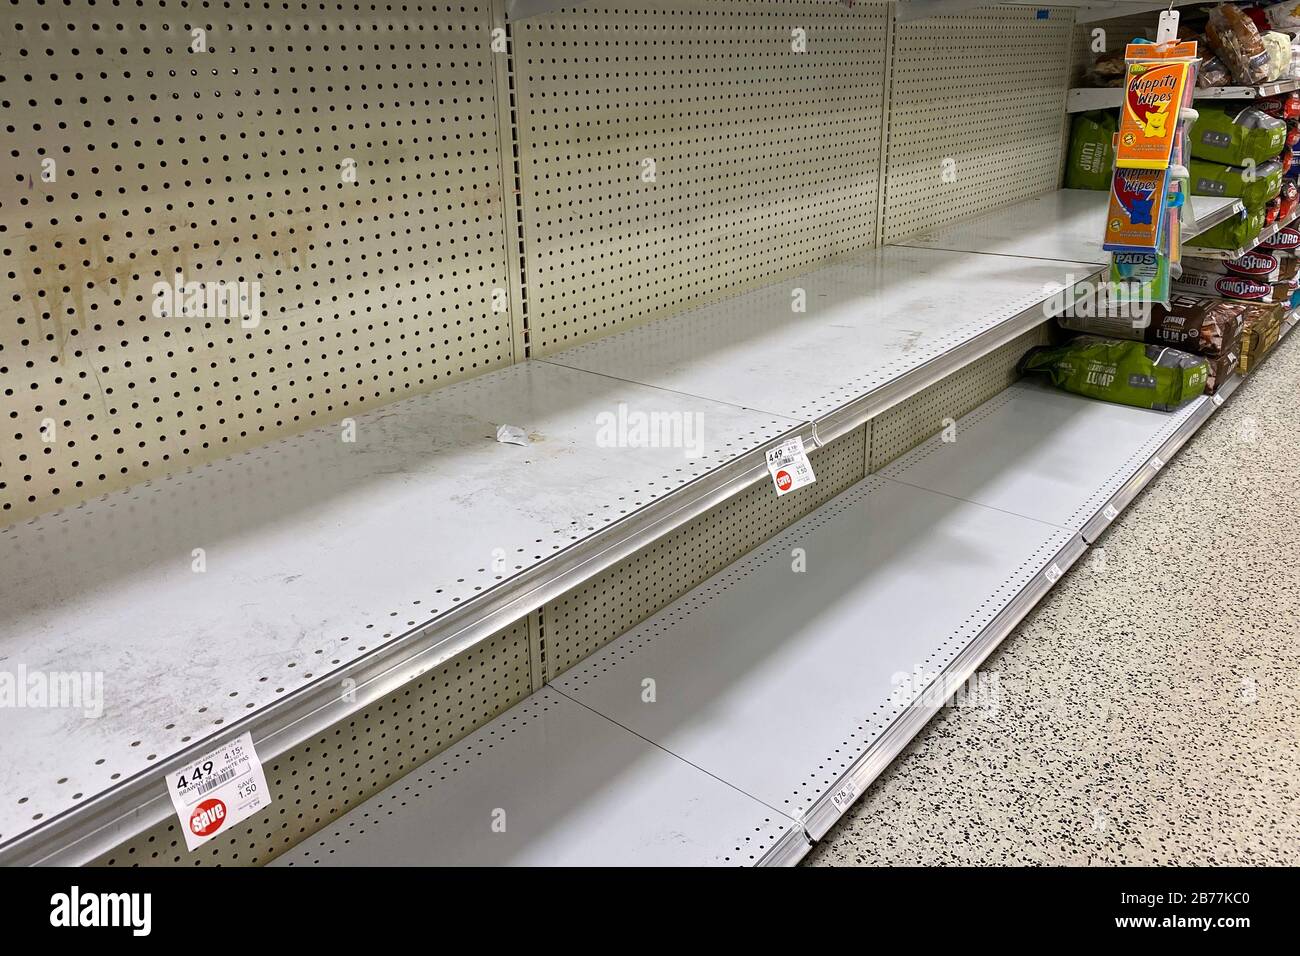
(1043, 14)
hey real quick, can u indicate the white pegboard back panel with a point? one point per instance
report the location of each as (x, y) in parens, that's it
(975, 115)
(587, 618)
(132, 155)
(679, 152)
(900, 429)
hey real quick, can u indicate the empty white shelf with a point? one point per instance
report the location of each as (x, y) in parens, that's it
(550, 782)
(1067, 225)
(216, 600)
(784, 683)
(876, 329)
(796, 674)
(1049, 455)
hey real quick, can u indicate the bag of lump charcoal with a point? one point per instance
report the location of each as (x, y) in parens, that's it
(1262, 325)
(1130, 373)
(1091, 160)
(1220, 369)
(1197, 324)
(1232, 135)
(1254, 186)
(1234, 232)
(1106, 326)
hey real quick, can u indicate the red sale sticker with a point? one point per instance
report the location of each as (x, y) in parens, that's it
(789, 466)
(207, 818)
(218, 790)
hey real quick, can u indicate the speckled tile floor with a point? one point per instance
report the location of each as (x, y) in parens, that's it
(1148, 711)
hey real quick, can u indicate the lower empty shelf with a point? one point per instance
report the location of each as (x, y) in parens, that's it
(742, 720)
(1049, 455)
(550, 782)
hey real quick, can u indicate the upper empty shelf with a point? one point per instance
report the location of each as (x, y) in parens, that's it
(874, 329)
(209, 599)
(1067, 224)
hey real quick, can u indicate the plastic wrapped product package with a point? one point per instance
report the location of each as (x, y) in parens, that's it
(1113, 370)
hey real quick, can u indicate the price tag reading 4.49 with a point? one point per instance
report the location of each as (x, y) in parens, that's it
(218, 790)
(789, 466)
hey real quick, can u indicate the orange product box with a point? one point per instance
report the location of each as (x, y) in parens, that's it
(1153, 95)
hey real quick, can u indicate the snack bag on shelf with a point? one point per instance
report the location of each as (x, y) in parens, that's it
(1234, 233)
(1130, 373)
(1092, 150)
(1233, 136)
(1254, 186)
(1212, 74)
(1282, 16)
(1234, 38)
(1278, 48)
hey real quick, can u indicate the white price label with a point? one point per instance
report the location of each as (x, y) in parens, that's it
(1156, 463)
(844, 797)
(1110, 512)
(1218, 399)
(1053, 573)
(218, 790)
(789, 466)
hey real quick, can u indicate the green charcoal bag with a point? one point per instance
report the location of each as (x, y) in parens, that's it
(1234, 135)
(1232, 233)
(1130, 373)
(1255, 190)
(1092, 150)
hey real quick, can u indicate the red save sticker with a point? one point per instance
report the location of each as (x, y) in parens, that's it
(207, 818)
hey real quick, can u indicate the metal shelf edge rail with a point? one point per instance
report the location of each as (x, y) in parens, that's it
(857, 411)
(824, 813)
(79, 835)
